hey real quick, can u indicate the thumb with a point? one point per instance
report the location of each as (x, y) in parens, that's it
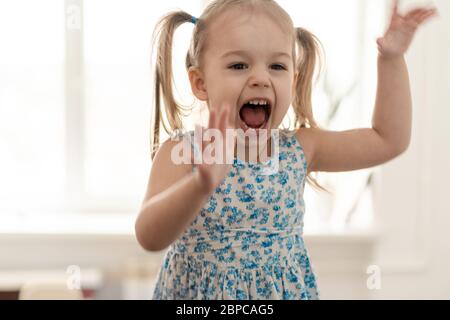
(380, 41)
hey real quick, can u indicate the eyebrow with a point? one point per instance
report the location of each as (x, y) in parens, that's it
(245, 54)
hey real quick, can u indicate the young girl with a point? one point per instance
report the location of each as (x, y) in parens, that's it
(234, 230)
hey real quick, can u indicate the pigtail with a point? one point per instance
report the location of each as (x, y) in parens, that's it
(309, 53)
(163, 34)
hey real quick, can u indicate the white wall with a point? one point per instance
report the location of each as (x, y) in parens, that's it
(412, 209)
(412, 202)
(340, 261)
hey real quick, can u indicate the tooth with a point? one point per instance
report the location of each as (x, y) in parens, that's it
(258, 102)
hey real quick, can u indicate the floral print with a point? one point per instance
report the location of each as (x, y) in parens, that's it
(247, 241)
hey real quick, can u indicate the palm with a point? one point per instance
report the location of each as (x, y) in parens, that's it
(212, 174)
(402, 29)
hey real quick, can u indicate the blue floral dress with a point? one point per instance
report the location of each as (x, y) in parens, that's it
(247, 241)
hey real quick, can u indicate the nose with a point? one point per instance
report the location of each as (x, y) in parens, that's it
(259, 79)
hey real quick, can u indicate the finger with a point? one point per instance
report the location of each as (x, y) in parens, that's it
(234, 113)
(414, 13)
(229, 121)
(417, 13)
(426, 16)
(395, 8)
(225, 114)
(192, 159)
(198, 133)
(380, 41)
(415, 20)
(225, 124)
(418, 17)
(212, 119)
(211, 125)
(219, 126)
(223, 119)
(230, 125)
(198, 141)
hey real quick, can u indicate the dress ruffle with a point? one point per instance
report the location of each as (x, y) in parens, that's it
(195, 276)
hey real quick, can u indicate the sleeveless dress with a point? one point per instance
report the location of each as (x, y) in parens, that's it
(246, 243)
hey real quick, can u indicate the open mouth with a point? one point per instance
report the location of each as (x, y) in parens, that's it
(255, 113)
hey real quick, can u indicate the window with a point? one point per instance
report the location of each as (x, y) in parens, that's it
(31, 105)
(76, 96)
(75, 103)
(118, 98)
(343, 99)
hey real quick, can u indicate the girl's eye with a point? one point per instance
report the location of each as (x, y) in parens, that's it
(238, 66)
(242, 66)
(278, 67)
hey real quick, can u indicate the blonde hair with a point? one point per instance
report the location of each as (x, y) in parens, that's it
(306, 53)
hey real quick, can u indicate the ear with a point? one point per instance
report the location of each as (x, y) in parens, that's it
(197, 83)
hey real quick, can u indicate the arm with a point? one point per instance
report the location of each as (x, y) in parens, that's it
(175, 195)
(363, 148)
(390, 134)
(174, 198)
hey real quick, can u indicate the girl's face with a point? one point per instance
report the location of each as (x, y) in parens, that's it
(248, 57)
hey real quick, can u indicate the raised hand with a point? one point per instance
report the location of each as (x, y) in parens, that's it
(212, 170)
(402, 29)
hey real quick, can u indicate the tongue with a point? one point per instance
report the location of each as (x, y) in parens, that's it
(253, 117)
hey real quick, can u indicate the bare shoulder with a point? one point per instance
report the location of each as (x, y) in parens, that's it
(165, 171)
(306, 137)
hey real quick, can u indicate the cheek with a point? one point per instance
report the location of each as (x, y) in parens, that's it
(285, 93)
(284, 100)
(223, 85)
(280, 113)
(225, 91)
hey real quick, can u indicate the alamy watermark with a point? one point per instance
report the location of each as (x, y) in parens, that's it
(211, 146)
(73, 17)
(374, 279)
(74, 277)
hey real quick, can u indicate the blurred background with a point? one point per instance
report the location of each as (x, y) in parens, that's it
(75, 110)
